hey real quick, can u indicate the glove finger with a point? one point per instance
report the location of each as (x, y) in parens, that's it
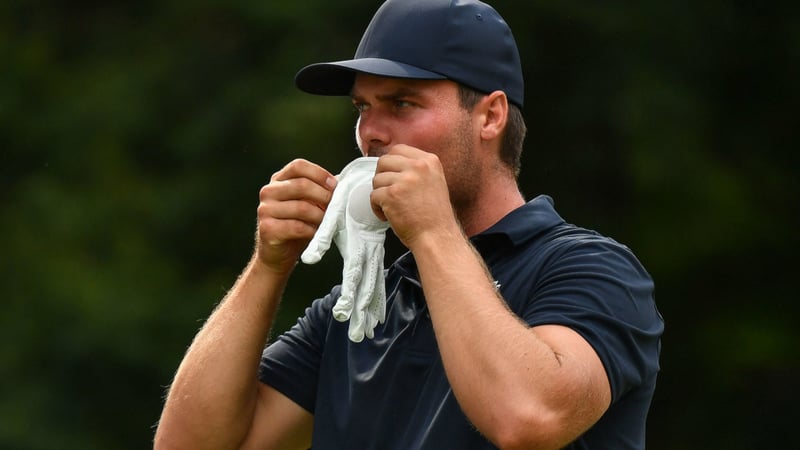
(321, 242)
(361, 323)
(377, 312)
(366, 286)
(351, 279)
(382, 300)
(343, 308)
(377, 304)
(332, 221)
(356, 328)
(369, 327)
(353, 273)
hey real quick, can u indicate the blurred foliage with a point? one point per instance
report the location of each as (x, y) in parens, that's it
(134, 137)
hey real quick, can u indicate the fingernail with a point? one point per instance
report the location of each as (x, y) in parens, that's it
(331, 182)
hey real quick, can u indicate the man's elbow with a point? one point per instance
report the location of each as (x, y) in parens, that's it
(533, 431)
(167, 439)
(170, 437)
(164, 440)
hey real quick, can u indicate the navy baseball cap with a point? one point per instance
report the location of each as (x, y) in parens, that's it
(465, 41)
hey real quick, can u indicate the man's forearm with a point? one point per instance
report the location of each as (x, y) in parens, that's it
(212, 398)
(506, 376)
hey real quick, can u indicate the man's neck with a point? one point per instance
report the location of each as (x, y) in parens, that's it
(492, 205)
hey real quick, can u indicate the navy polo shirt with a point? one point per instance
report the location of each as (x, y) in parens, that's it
(391, 392)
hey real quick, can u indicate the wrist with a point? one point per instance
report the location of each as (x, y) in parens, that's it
(259, 268)
(438, 241)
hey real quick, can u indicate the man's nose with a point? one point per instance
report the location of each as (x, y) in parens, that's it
(372, 134)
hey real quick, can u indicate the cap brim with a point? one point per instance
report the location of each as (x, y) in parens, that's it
(336, 78)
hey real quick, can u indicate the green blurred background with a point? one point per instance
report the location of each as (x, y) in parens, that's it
(134, 137)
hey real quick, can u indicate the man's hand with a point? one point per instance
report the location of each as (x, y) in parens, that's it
(410, 191)
(216, 400)
(291, 208)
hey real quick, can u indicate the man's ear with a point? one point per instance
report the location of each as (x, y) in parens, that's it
(494, 117)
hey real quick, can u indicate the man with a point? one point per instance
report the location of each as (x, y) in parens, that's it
(505, 326)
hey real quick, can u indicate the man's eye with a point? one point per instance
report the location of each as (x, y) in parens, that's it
(402, 104)
(360, 107)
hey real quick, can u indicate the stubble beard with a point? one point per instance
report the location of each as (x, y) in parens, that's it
(463, 173)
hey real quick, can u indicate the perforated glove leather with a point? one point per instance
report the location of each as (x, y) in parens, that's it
(359, 235)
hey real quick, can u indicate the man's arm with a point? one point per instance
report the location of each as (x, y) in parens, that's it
(215, 400)
(522, 387)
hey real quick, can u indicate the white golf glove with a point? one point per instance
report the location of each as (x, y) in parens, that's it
(350, 223)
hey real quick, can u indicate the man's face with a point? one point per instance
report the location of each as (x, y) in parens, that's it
(425, 114)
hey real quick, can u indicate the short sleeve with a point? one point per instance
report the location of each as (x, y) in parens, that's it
(598, 288)
(291, 364)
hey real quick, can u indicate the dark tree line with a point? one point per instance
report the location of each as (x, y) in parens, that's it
(134, 137)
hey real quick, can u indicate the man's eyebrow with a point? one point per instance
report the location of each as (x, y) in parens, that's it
(400, 92)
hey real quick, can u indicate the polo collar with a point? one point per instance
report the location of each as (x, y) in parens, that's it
(526, 222)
